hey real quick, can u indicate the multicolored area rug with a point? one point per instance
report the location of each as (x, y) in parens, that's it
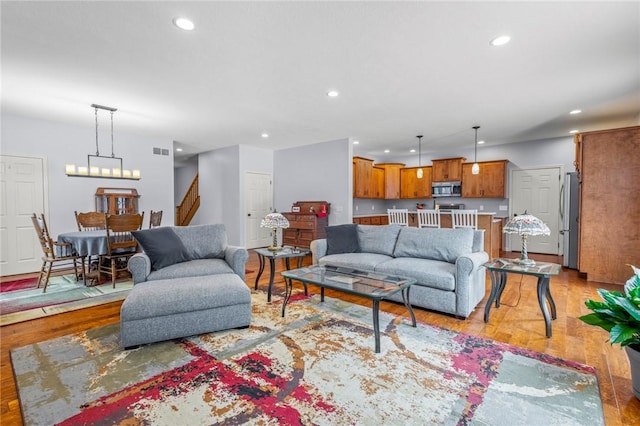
(63, 294)
(315, 366)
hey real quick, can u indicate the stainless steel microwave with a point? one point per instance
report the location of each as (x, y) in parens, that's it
(446, 189)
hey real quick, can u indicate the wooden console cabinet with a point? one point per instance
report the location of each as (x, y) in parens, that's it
(306, 225)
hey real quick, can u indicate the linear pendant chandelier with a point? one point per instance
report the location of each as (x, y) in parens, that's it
(96, 171)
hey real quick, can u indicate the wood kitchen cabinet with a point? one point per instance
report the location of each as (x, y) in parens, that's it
(377, 187)
(447, 169)
(609, 203)
(391, 179)
(411, 186)
(362, 177)
(489, 183)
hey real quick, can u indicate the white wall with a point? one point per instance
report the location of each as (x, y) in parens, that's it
(60, 144)
(221, 186)
(183, 177)
(321, 171)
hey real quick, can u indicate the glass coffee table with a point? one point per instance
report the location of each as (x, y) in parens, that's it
(498, 270)
(372, 285)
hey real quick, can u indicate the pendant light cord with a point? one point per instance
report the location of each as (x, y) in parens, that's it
(475, 147)
(97, 149)
(113, 155)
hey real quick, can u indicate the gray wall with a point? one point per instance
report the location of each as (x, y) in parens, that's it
(182, 178)
(321, 171)
(60, 144)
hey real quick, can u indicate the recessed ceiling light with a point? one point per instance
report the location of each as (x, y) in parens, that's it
(412, 150)
(574, 131)
(179, 149)
(386, 151)
(575, 111)
(480, 142)
(265, 135)
(356, 142)
(184, 24)
(332, 93)
(500, 40)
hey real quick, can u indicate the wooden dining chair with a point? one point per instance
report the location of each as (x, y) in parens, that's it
(58, 258)
(120, 244)
(90, 221)
(429, 218)
(464, 219)
(155, 218)
(398, 217)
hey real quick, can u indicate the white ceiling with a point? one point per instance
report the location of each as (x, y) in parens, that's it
(402, 69)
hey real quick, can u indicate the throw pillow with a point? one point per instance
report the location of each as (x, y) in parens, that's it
(162, 245)
(342, 239)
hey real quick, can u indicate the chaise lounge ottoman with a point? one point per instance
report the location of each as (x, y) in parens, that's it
(160, 310)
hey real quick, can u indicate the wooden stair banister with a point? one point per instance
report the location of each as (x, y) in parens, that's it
(189, 205)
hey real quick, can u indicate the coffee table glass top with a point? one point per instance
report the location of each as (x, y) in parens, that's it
(511, 265)
(363, 283)
(285, 251)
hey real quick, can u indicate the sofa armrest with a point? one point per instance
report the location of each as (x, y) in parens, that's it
(140, 267)
(318, 250)
(467, 264)
(237, 258)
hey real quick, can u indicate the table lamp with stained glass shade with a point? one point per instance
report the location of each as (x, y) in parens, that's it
(525, 225)
(274, 221)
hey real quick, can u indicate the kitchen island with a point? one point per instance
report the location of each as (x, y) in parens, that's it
(488, 221)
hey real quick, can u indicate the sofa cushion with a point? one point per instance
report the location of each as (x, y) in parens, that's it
(342, 239)
(378, 239)
(426, 272)
(162, 245)
(203, 241)
(366, 261)
(430, 243)
(192, 268)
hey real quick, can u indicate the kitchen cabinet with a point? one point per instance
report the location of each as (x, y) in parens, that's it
(447, 169)
(411, 186)
(391, 179)
(371, 220)
(362, 177)
(609, 203)
(377, 187)
(489, 183)
(116, 200)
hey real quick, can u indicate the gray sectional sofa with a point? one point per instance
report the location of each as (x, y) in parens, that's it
(187, 281)
(447, 263)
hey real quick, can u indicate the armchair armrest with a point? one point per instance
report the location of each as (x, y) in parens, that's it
(318, 250)
(140, 267)
(237, 257)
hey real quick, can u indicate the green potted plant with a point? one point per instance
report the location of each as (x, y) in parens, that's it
(619, 314)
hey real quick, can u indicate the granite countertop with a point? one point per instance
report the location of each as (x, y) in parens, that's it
(415, 211)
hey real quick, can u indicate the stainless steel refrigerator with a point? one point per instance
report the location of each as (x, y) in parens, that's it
(570, 217)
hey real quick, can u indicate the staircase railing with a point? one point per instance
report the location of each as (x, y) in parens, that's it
(189, 205)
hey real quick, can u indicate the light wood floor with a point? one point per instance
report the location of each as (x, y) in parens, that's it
(518, 321)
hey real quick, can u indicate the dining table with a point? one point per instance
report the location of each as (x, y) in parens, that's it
(86, 243)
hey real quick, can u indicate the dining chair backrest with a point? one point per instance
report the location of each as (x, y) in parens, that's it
(464, 219)
(155, 218)
(46, 242)
(90, 221)
(119, 228)
(428, 218)
(398, 217)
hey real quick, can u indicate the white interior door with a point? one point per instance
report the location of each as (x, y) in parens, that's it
(258, 201)
(538, 192)
(21, 195)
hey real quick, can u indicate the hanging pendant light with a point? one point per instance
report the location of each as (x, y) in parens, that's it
(419, 172)
(475, 169)
(101, 171)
